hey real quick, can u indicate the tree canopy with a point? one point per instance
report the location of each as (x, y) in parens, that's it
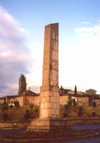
(91, 92)
(22, 84)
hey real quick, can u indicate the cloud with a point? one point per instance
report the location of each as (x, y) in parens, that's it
(14, 54)
(88, 55)
(80, 60)
(85, 22)
(98, 20)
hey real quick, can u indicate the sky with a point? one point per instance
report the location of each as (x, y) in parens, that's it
(22, 25)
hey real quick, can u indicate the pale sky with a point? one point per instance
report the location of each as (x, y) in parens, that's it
(22, 25)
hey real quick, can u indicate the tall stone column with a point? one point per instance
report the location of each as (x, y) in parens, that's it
(49, 92)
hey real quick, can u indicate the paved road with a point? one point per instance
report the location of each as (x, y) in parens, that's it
(91, 140)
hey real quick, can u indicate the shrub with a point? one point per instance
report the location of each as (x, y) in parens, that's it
(93, 114)
(74, 102)
(65, 114)
(5, 116)
(66, 106)
(94, 104)
(31, 106)
(3, 106)
(27, 115)
(80, 110)
(16, 103)
(35, 112)
(70, 101)
(10, 106)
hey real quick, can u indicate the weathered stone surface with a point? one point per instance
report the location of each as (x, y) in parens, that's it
(47, 124)
(49, 93)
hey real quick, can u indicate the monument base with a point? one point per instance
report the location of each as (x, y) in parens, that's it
(47, 124)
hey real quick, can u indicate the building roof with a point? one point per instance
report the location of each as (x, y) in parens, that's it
(29, 93)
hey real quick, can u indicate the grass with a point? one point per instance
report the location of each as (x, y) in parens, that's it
(72, 112)
(19, 114)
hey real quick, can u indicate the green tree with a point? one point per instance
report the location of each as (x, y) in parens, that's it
(22, 84)
(91, 92)
(75, 90)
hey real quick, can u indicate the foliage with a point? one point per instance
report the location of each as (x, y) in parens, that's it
(75, 91)
(74, 102)
(93, 103)
(80, 111)
(22, 84)
(91, 92)
(16, 103)
(35, 112)
(5, 116)
(31, 106)
(27, 115)
(64, 111)
(66, 106)
(93, 114)
(70, 102)
(3, 106)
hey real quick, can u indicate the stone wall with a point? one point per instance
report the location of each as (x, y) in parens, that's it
(83, 100)
(26, 100)
(63, 99)
(1, 100)
(32, 100)
(20, 99)
(97, 101)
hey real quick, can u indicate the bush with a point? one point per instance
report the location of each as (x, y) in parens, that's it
(35, 112)
(27, 115)
(31, 106)
(94, 104)
(3, 106)
(70, 101)
(80, 110)
(93, 114)
(65, 114)
(74, 102)
(66, 106)
(16, 103)
(5, 116)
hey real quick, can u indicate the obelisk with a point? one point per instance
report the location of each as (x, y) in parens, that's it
(49, 93)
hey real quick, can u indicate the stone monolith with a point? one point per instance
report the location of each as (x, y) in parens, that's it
(49, 91)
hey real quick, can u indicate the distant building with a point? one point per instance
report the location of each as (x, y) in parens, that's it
(29, 97)
(64, 91)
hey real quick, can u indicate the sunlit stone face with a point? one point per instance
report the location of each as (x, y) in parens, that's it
(49, 94)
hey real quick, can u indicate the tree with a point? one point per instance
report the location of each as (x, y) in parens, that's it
(75, 90)
(91, 92)
(16, 103)
(22, 84)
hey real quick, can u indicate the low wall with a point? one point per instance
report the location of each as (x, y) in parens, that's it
(1, 101)
(12, 125)
(31, 100)
(83, 101)
(20, 100)
(63, 99)
(97, 101)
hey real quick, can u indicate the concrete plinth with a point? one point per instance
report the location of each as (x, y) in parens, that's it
(47, 124)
